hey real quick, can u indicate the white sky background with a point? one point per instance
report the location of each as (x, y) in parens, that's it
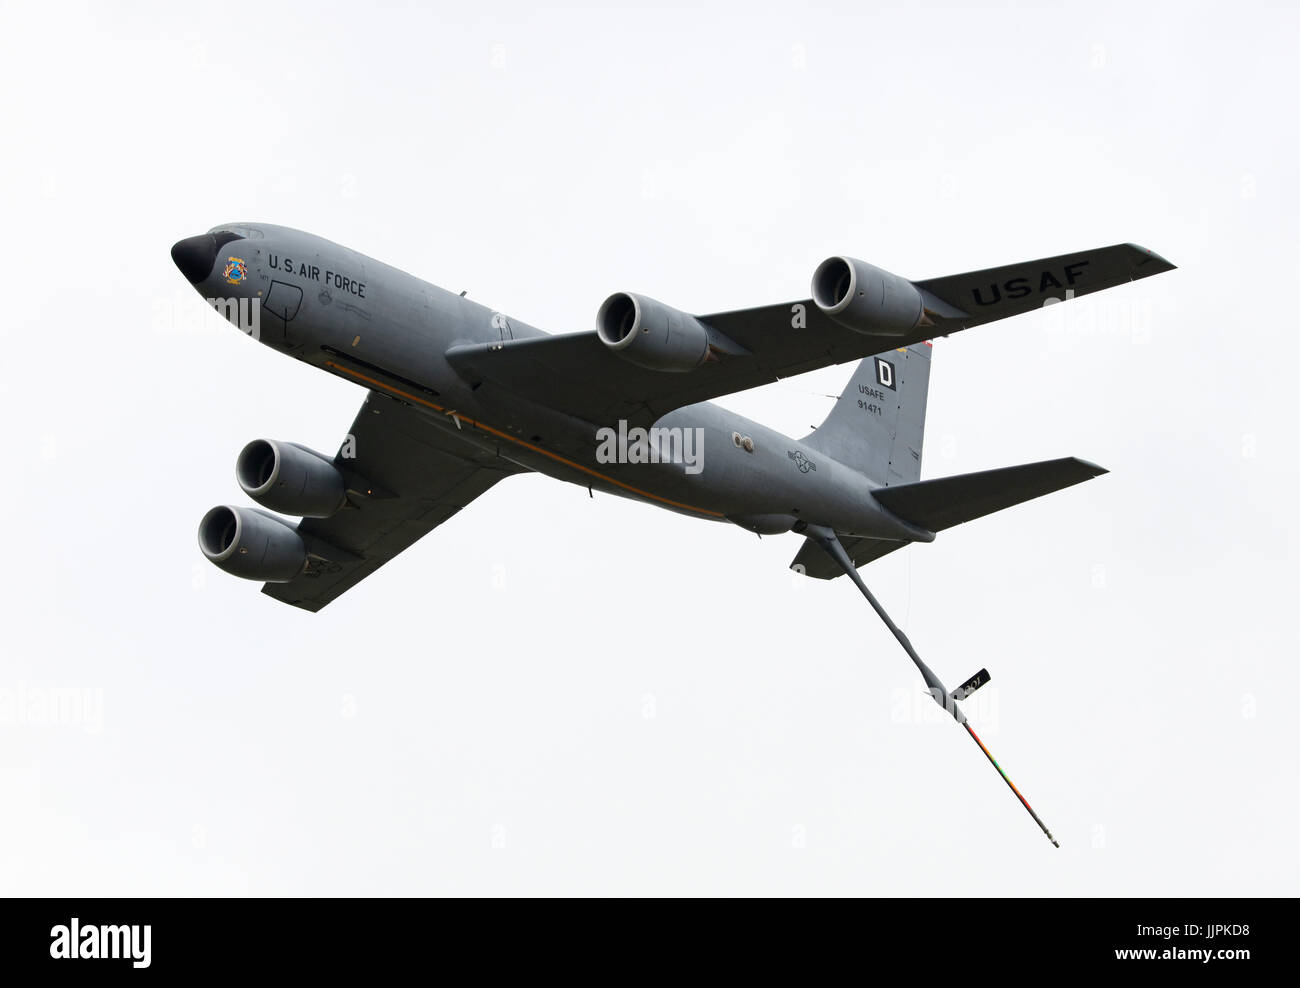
(558, 695)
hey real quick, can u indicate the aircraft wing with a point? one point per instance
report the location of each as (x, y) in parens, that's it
(420, 476)
(578, 374)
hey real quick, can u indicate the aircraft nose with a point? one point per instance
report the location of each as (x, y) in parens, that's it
(196, 255)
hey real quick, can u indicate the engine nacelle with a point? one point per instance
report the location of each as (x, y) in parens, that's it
(862, 297)
(650, 334)
(251, 544)
(290, 479)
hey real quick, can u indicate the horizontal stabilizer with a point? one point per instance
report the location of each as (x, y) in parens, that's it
(813, 561)
(948, 501)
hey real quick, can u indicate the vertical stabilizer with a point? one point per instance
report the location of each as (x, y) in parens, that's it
(878, 423)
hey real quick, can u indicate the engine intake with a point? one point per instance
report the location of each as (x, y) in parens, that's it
(866, 299)
(251, 544)
(650, 334)
(290, 479)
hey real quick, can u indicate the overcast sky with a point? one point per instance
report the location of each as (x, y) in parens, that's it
(554, 694)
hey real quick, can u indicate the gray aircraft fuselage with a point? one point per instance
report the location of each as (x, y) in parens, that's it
(383, 329)
(460, 396)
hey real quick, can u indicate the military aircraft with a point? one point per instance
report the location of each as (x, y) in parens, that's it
(460, 397)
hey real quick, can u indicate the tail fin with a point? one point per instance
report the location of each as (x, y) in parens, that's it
(878, 423)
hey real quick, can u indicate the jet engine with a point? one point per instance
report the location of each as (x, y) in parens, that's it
(650, 334)
(290, 479)
(866, 299)
(252, 544)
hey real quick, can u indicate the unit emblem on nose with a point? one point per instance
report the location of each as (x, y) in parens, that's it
(235, 270)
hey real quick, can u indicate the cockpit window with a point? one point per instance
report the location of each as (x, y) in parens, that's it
(223, 237)
(239, 230)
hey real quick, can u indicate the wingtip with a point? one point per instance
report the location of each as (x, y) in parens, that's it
(1149, 262)
(1093, 469)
